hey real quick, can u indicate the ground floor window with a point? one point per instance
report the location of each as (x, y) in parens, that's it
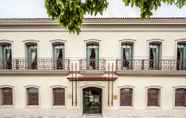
(180, 97)
(126, 96)
(6, 96)
(153, 97)
(58, 96)
(32, 96)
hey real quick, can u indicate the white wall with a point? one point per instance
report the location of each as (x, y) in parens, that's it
(109, 48)
(109, 42)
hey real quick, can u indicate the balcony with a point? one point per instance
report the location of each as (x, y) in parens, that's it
(39, 66)
(92, 66)
(148, 67)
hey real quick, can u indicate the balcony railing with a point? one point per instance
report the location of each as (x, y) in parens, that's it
(147, 65)
(41, 64)
(92, 64)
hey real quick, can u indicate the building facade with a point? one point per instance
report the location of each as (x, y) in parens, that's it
(115, 68)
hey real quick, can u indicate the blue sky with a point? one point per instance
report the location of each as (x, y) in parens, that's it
(35, 9)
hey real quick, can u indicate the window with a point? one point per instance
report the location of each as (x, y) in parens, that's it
(92, 55)
(126, 96)
(155, 55)
(58, 96)
(181, 56)
(180, 97)
(153, 97)
(32, 96)
(58, 55)
(5, 56)
(6, 97)
(127, 55)
(31, 55)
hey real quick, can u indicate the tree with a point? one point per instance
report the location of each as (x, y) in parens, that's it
(70, 13)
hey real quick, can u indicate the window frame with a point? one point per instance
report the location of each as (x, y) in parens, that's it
(27, 44)
(157, 43)
(131, 44)
(26, 96)
(175, 49)
(4, 41)
(53, 44)
(52, 100)
(160, 97)
(90, 41)
(133, 97)
(180, 42)
(13, 96)
(174, 98)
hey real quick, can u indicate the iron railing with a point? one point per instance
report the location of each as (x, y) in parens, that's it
(92, 64)
(147, 65)
(38, 64)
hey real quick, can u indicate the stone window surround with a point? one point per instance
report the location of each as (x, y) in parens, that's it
(39, 97)
(160, 97)
(13, 96)
(51, 96)
(174, 96)
(133, 97)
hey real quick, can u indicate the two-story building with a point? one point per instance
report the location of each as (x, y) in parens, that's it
(115, 68)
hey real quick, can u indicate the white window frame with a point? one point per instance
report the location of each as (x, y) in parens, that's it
(12, 48)
(133, 97)
(174, 98)
(13, 96)
(26, 97)
(160, 97)
(51, 96)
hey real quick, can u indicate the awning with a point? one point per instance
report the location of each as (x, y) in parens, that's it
(92, 78)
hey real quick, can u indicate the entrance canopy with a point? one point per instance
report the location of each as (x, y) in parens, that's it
(92, 78)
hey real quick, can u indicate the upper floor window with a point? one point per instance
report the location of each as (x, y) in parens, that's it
(32, 96)
(58, 96)
(153, 97)
(126, 96)
(180, 97)
(181, 56)
(92, 52)
(127, 55)
(5, 56)
(58, 55)
(31, 55)
(6, 96)
(154, 55)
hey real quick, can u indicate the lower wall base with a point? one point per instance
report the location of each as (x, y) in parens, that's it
(75, 113)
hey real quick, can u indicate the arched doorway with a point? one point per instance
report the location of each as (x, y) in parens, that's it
(92, 100)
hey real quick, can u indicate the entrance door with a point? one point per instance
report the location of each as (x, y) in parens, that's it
(92, 100)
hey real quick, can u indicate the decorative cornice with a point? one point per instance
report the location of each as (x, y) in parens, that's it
(94, 21)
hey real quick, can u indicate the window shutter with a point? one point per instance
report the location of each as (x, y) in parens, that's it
(33, 96)
(180, 97)
(153, 97)
(126, 97)
(7, 96)
(58, 96)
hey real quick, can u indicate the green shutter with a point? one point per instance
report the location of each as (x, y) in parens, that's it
(1, 56)
(184, 57)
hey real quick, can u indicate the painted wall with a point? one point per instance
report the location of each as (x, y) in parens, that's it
(110, 49)
(139, 84)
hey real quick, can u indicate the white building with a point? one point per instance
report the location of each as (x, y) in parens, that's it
(115, 68)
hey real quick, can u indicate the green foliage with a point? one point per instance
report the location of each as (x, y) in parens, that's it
(147, 6)
(70, 13)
